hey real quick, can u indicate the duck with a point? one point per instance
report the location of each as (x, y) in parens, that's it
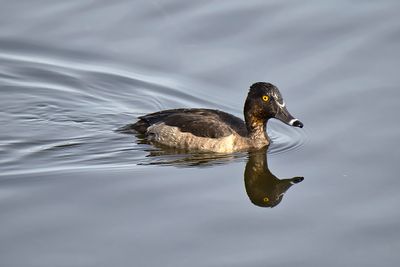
(210, 130)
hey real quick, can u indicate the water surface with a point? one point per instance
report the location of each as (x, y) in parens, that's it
(73, 192)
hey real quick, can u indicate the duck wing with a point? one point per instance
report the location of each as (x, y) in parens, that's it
(200, 122)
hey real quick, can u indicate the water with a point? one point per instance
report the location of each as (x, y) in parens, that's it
(73, 192)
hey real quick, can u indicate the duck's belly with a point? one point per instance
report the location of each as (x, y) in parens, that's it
(173, 137)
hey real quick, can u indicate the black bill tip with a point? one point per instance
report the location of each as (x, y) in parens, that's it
(297, 180)
(297, 123)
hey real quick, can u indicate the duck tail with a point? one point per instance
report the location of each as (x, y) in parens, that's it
(137, 127)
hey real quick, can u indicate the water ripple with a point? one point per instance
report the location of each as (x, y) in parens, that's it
(285, 138)
(61, 112)
(72, 108)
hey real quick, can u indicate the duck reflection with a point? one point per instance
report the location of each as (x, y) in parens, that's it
(263, 188)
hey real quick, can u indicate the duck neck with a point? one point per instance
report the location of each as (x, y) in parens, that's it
(256, 128)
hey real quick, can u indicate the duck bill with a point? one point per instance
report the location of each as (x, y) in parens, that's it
(284, 116)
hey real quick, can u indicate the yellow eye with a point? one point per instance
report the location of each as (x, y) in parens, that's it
(265, 199)
(265, 98)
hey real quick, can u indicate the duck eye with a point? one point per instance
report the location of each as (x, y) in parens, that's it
(265, 98)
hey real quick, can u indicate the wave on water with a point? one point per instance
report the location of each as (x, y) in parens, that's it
(61, 113)
(285, 138)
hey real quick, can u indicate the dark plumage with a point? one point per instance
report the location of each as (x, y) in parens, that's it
(214, 130)
(197, 121)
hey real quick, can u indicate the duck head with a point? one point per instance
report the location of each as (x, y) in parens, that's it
(264, 101)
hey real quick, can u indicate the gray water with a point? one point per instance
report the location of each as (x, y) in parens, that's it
(73, 192)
